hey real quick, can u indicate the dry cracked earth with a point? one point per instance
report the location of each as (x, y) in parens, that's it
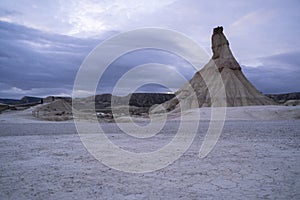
(252, 160)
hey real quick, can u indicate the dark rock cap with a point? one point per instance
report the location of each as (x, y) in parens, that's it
(218, 29)
(219, 42)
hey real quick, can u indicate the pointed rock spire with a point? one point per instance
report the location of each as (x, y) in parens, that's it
(218, 41)
(222, 54)
(239, 91)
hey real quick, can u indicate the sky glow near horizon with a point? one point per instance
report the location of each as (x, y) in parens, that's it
(43, 43)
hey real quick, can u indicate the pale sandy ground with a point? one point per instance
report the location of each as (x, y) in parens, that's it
(256, 157)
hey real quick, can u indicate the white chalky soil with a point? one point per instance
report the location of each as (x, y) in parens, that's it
(253, 159)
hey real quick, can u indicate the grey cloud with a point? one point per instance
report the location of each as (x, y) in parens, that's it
(46, 63)
(128, 61)
(6, 12)
(40, 63)
(287, 61)
(33, 59)
(279, 73)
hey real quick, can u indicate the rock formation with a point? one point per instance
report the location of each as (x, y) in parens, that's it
(238, 90)
(57, 110)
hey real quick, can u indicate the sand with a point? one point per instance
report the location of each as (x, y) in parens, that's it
(253, 159)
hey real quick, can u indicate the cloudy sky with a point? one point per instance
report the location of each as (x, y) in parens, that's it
(43, 43)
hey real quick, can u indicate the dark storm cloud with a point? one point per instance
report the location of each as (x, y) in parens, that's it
(42, 60)
(33, 62)
(39, 63)
(286, 61)
(34, 59)
(135, 58)
(278, 73)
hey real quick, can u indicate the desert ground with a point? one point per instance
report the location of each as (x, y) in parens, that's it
(256, 157)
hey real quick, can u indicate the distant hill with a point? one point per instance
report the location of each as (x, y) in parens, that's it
(24, 100)
(60, 108)
(103, 101)
(137, 99)
(281, 98)
(9, 101)
(28, 99)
